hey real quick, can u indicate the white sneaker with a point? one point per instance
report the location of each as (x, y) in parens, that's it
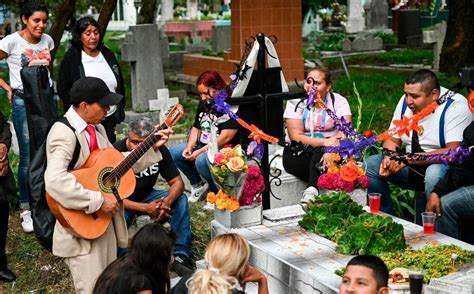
(26, 221)
(309, 194)
(198, 192)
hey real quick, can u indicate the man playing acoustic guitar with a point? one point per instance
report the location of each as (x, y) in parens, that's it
(145, 198)
(87, 258)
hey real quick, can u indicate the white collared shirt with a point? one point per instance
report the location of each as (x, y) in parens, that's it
(79, 122)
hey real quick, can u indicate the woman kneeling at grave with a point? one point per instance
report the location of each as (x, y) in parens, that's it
(310, 126)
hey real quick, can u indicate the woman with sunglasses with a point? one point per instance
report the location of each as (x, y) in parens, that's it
(190, 157)
(311, 126)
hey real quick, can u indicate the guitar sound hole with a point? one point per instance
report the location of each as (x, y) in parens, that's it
(108, 180)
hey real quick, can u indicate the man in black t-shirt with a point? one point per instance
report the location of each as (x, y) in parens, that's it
(161, 205)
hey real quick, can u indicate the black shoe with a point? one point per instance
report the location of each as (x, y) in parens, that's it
(7, 276)
(183, 265)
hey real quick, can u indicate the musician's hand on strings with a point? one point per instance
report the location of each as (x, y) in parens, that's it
(164, 134)
(110, 206)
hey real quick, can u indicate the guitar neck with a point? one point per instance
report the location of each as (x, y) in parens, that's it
(137, 153)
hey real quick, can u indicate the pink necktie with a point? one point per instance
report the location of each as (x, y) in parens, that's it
(93, 138)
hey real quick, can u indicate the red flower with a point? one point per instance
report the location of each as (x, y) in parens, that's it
(363, 181)
(368, 133)
(253, 186)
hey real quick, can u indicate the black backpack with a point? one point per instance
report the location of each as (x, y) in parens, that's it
(43, 219)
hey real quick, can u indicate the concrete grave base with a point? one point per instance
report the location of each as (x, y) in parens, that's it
(249, 215)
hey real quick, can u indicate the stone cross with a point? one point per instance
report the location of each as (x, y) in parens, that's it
(144, 47)
(355, 20)
(436, 37)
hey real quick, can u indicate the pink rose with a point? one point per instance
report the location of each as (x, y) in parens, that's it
(218, 157)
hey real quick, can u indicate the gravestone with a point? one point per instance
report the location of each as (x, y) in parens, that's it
(309, 23)
(355, 20)
(166, 10)
(346, 45)
(376, 14)
(409, 27)
(221, 38)
(144, 47)
(436, 37)
(367, 43)
(192, 9)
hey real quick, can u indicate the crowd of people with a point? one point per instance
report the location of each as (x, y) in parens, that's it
(91, 88)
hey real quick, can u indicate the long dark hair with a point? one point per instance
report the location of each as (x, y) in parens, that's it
(150, 253)
(80, 26)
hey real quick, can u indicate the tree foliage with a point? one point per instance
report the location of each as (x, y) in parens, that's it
(459, 41)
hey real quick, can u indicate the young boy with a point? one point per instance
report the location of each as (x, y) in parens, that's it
(365, 274)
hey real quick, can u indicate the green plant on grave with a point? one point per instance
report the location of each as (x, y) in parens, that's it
(330, 42)
(387, 38)
(337, 217)
(403, 202)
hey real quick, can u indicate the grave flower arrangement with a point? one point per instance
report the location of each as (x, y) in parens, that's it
(343, 176)
(228, 170)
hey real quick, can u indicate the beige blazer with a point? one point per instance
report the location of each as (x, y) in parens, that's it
(64, 188)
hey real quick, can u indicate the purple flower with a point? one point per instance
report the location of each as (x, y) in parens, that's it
(256, 150)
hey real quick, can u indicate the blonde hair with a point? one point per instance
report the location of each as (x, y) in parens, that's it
(227, 256)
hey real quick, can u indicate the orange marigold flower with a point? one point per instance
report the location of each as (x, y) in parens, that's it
(211, 197)
(349, 171)
(335, 157)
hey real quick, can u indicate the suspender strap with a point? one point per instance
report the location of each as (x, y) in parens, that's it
(404, 107)
(442, 141)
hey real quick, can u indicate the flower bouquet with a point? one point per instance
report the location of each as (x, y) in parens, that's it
(228, 169)
(345, 176)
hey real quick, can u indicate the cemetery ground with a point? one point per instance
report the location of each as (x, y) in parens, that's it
(379, 89)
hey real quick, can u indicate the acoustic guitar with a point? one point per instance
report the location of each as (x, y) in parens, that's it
(106, 170)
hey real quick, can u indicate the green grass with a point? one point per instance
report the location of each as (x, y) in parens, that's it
(405, 56)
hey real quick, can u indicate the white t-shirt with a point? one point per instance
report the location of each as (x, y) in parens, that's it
(15, 46)
(456, 119)
(98, 67)
(323, 124)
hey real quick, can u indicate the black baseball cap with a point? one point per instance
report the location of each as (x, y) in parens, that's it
(90, 90)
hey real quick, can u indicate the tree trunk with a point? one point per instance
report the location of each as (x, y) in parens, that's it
(459, 41)
(147, 12)
(105, 15)
(64, 12)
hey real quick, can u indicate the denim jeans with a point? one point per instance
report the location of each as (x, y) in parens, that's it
(193, 170)
(180, 220)
(452, 205)
(20, 123)
(379, 184)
